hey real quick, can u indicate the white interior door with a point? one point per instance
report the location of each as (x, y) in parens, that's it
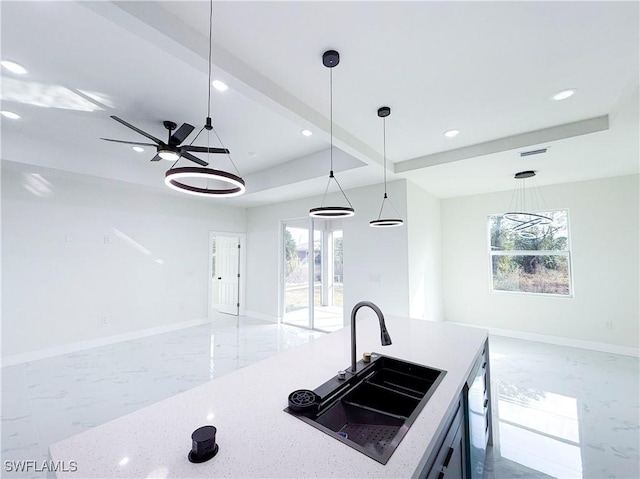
(226, 274)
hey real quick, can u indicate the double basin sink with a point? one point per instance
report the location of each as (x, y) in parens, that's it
(370, 410)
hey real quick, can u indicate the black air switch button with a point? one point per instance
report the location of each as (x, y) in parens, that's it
(204, 445)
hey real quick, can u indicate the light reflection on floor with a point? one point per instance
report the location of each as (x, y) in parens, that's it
(563, 412)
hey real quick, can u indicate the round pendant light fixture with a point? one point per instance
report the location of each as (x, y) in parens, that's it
(196, 180)
(524, 222)
(384, 112)
(330, 59)
(176, 178)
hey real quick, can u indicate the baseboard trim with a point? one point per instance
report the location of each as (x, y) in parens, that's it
(264, 317)
(560, 341)
(94, 343)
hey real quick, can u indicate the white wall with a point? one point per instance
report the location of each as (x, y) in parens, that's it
(424, 247)
(604, 235)
(375, 259)
(61, 277)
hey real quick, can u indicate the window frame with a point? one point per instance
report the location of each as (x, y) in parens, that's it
(567, 254)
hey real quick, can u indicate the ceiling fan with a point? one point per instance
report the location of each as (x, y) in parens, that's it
(171, 149)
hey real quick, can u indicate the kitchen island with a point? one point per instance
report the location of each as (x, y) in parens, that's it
(256, 437)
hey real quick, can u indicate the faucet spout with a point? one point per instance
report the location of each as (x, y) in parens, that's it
(385, 339)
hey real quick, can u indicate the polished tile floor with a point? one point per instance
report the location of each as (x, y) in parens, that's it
(559, 412)
(563, 412)
(48, 400)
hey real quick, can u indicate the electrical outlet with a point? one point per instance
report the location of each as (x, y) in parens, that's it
(68, 238)
(181, 307)
(104, 320)
(107, 239)
(608, 324)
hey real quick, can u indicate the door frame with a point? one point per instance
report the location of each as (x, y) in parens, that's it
(242, 270)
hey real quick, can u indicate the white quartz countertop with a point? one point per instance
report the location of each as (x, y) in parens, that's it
(256, 437)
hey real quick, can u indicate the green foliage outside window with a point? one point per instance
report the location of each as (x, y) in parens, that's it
(538, 262)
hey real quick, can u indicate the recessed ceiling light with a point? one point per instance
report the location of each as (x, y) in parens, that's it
(9, 114)
(563, 95)
(218, 85)
(306, 132)
(13, 67)
(451, 133)
(137, 149)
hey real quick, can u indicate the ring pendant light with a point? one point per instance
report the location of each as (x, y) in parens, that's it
(384, 112)
(523, 222)
(330, 59)
(175, 177)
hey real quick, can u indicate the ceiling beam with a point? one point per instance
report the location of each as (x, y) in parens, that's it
(568, 130)
(152, 23)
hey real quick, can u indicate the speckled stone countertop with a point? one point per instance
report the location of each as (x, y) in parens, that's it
(256, 437)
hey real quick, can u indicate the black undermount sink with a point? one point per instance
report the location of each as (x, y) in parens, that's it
(370, 410)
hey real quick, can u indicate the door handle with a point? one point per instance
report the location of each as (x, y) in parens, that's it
(445, 464)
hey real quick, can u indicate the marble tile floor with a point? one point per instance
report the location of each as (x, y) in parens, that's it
(558, 412)
(45, 401)
(563, 412)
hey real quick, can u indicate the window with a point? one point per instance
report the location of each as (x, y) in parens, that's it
(531, 254)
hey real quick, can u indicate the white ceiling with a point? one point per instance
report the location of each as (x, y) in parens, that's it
(486, 68)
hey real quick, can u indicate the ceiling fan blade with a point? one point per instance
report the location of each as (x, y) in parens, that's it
(181, 133)
(156, 158)
(129, 142)
(195, 159)
(138, 130)
(204, 149)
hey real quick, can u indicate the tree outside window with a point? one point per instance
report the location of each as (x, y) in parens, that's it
(537, 261)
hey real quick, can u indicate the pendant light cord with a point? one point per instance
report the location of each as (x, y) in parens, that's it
(331, 176)
(210, 48)
(385, 198)
(331, 119)
(384, 153)
(209, 93)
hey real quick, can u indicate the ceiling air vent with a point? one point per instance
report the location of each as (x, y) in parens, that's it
(533, 152)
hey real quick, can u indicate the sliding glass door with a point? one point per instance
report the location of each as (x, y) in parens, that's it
(298, 262)
(312, 274)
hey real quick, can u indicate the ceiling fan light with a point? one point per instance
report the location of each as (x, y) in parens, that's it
(168, 155)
